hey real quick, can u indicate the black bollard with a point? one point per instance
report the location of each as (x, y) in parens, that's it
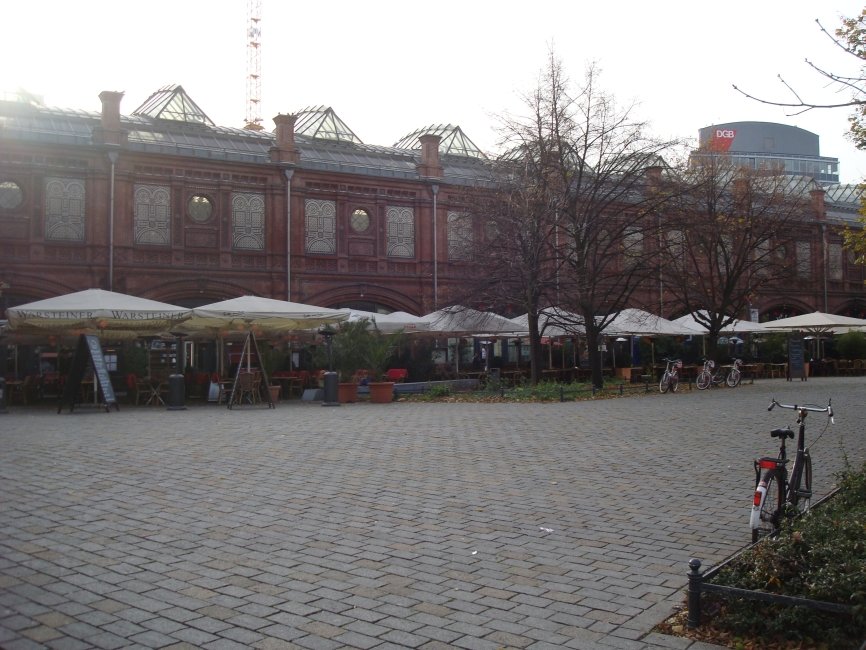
(3, 395)
(331, 381)
(176, 393)
(695, 579)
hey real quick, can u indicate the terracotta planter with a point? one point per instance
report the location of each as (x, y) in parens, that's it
(382, 392)
(347, 391)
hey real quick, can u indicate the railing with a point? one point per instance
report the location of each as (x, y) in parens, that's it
(698, 585)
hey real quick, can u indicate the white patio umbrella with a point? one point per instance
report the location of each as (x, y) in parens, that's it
(736, 327)
(458, 321)
(817, 322)
(96, 311)
(464, 321)
(267, 315)
(553, 321)
(637, 322)
(264, 316)
(389, 323)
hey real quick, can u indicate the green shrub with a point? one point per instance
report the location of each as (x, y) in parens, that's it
(439, 391)
(851, 345)
(819, 556)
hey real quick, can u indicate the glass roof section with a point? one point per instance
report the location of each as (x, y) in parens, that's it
(841, 193)
(173, 104)
(453, 142)
(323, 123)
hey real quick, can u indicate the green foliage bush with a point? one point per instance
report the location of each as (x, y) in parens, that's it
(819, 556)
(439, 390)
(851, 345)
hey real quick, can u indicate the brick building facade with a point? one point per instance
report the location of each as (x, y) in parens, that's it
(166, 205)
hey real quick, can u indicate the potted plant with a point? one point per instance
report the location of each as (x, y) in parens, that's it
(348, 345)
(377, 354)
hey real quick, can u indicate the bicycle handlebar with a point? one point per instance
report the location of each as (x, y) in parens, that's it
(805, 407)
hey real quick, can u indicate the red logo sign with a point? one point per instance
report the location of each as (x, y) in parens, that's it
(722, 139)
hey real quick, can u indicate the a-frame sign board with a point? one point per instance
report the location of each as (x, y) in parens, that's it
(88, 352)
(796, 359)
(250, 344)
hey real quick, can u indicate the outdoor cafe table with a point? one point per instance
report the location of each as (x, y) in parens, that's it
(287, 384)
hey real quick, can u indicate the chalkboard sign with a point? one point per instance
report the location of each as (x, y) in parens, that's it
(796, 359)
(88, 350)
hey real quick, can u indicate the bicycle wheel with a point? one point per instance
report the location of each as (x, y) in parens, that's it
(771, 508)
(733, 378)
(703, 381)
(665, 382)
(675, 382)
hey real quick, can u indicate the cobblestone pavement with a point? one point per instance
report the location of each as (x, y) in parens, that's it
(381, 526)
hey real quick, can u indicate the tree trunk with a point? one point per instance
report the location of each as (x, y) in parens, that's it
(593, 338)
(534, 348)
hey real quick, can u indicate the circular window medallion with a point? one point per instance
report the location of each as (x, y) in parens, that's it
(11, 195)
(199, 208)
(360, 220)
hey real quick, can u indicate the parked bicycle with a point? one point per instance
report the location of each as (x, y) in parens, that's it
(710, 376)
(670, 380)
(776, 493)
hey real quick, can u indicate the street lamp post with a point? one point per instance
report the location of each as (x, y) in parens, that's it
(330, 389)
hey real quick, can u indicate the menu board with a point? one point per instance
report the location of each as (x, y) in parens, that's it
(88, 353)
(796, 359)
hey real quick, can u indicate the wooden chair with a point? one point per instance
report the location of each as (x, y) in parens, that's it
(245, 390)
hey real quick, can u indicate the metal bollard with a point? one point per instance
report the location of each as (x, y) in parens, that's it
(695, 580)
(3, 395)
(331, 381)
(176, 393)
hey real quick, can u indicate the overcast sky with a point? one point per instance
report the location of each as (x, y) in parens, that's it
(390, 67)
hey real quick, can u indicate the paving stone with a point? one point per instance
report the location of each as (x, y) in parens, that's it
(213, 527)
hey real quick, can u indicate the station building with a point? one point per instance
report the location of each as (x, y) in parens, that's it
(164, 204)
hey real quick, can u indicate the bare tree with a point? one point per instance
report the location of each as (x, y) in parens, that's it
(513, 246)
(850, 38)
(606, 199)
(727, 234)
(568, 222)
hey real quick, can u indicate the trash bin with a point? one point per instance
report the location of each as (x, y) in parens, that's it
(3, 395)
(331, 388)
(176, 393)
(493, 378)
(275, 392)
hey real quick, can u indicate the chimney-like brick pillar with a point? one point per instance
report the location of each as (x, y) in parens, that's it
(285, 150)
(818, 204)
(430, 166)
(109, 130)
(653, 176)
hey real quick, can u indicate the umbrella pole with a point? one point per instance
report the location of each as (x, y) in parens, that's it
(457, 356)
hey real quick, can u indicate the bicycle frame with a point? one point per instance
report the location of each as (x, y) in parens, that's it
(768, 469)
(670, 377)
(713, 375)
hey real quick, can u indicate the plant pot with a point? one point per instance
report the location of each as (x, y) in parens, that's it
(275, 392)
(347, 392)
(381, 392)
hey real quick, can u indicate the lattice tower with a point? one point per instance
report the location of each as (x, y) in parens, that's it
(254, 65)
